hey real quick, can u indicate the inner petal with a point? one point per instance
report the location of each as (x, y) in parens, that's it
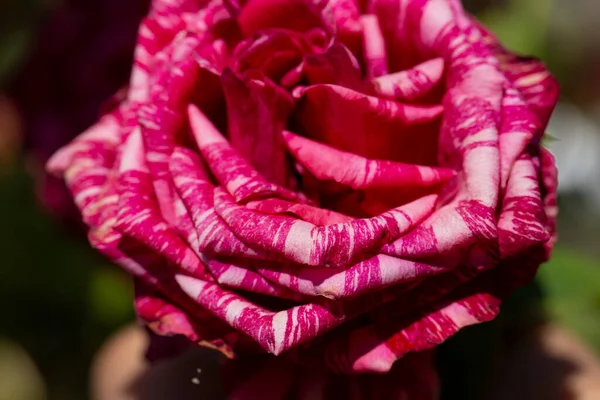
(368, 126)
(257, 113)
(276, 52)
(297, 15)
(337, 66)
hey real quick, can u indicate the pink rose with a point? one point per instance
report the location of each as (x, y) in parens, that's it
(353, 180)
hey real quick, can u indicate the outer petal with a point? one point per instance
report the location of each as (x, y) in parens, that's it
(520, 128)
(528, 75)
(537, 85)
(157, 31)
(139, 217)
(87, 163)
(522, 223)
(163, 118)
(401, 24)
(167, 319)
(428, 316)
(549, 189)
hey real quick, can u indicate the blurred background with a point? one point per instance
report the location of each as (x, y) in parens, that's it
(59, 63)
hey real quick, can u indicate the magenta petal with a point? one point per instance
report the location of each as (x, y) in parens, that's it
(369, 126)
(520, 126)
(159, 123)
(410, 84)
(479, 301)
(296, 15)
(522, 221)
(155, 33)
(536, 84)
(434, 328)
(87, 163)
(138, 214)
(549, 181)
(404, 26)
(471, 221)
(153, 276)
(335, 66)
(374, 45)
(360, 173)
(527, 74)
(184, 223)
(395, 330)
(163, 317)
(104, 132)
(347, 15)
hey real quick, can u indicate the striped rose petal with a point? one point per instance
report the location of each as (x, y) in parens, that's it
(360, 173)
(410, 84)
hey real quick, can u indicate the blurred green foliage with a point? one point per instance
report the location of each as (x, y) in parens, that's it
(571, 284)
(61, 298)
(521, 25)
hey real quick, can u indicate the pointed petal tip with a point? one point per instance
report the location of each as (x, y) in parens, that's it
(59, 162)
(203, 130)
(191, 286)
(133, 155)
(433, 67)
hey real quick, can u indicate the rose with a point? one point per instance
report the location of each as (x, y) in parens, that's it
(357, 180)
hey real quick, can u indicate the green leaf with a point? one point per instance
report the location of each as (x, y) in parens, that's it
(110, 296)
(548, 138)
